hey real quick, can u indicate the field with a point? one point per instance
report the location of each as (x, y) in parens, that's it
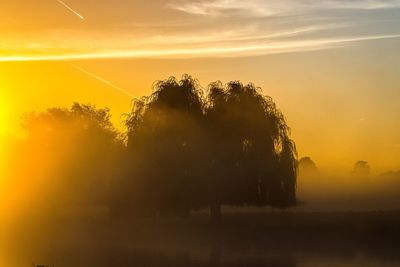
(243, 239)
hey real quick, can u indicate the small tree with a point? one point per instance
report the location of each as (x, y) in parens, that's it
(361, 168)
(307, 167)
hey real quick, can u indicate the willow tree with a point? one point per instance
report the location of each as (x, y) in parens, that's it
(253, 158)
(165, 140)
(187, 152)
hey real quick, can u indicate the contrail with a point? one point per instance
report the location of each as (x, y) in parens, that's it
(105, 82)
(70, 9)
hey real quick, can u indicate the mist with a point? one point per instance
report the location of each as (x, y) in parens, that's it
(357, 189)
(194, 179)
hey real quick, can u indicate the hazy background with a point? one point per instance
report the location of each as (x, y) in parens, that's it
(332, 67)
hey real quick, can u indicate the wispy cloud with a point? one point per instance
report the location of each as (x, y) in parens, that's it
(70, 9)
(239, 29)
(277, 47)
(246, 34)
(80, 42)
(276, 7)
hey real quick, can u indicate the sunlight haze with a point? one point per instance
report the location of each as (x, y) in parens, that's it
(199, 133)
(331, 66)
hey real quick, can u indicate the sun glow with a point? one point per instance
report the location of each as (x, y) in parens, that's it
(3, 116)
(3, 130)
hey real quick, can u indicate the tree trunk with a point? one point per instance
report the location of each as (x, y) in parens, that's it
(215, 212)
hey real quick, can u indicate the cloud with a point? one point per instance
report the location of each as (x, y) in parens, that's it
(72, 42)
(240, 28)
(276, 47)
(276, 7)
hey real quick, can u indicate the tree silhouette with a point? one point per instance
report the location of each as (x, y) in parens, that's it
(361, 168)
(307, 167)
(164, 143)
(78, 147)
(253, 158)
(183, 151)
(187, 152)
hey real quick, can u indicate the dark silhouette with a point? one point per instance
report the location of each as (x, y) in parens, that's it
(165, 150)
(187, 152)
(361, 168)
(252, 159)
(182, 152)
(307, 167)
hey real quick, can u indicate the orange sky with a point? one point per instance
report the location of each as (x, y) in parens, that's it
(331, 67)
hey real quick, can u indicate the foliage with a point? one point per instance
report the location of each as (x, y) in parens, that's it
(76, 149)
(187, 151)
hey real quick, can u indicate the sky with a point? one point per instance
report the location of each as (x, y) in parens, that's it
(332, 66)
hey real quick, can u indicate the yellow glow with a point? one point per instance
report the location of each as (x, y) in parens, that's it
(4, 113)
(331, 67)
(340, 103)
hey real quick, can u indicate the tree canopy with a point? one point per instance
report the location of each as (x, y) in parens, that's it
(187, 151)
(183, 150)
(69, 155)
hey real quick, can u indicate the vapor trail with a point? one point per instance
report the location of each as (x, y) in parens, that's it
(70, 9)
(105, 82)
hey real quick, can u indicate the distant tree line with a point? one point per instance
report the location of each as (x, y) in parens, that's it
(182, 151)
